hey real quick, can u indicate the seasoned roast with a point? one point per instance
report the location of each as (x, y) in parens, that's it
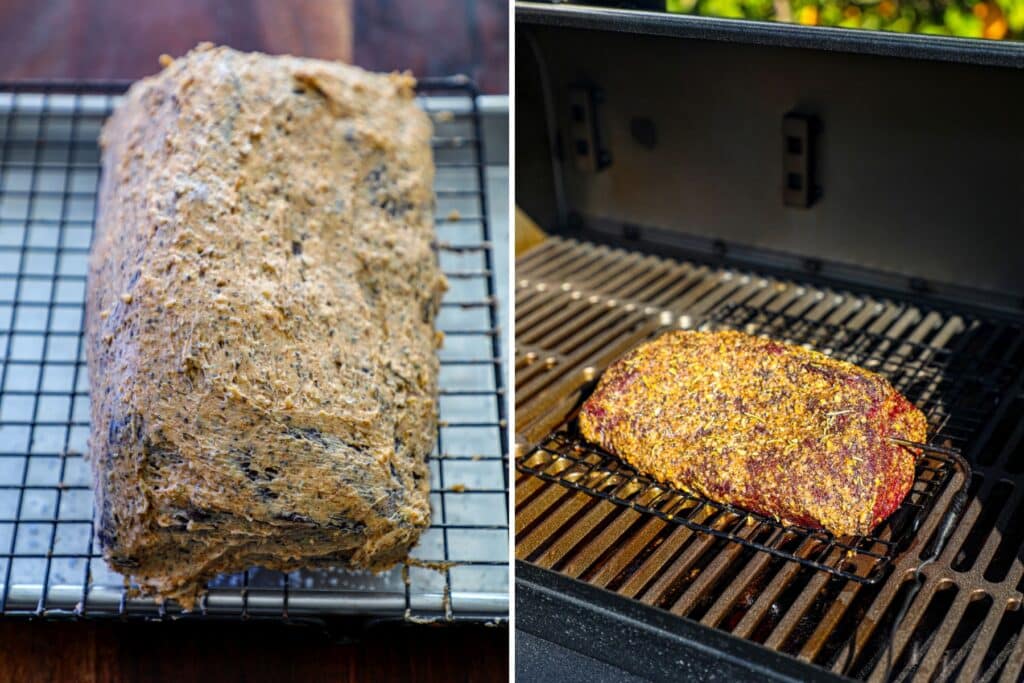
(260, 320)
(769, 427)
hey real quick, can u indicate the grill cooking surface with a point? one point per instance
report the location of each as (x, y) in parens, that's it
(49, 563)
(580, 306)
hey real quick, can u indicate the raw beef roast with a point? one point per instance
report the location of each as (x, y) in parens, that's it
(260, 321)
(766, 426)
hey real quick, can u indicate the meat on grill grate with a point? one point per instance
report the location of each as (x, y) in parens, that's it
(773, 428)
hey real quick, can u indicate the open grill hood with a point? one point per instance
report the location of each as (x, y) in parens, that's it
(899, 252)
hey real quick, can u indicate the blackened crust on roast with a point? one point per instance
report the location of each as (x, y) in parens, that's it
(260, 321)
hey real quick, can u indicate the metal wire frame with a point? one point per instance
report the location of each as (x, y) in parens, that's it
(931, 377)
(57, 270)
(835, 623)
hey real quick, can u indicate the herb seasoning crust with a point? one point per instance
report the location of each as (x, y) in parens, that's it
(773, 428)
(260, 321)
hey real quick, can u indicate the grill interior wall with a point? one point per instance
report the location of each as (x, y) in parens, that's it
(579, 306)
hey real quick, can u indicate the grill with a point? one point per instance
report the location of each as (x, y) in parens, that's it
(792, 590)
(49, 563)
(661, 222)
(921, 372)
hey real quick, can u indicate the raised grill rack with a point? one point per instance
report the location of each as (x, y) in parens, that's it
(49, 563)
(581, 305)
(921, 372)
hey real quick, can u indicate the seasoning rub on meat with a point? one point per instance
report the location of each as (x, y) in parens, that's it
(770, 427)
(260, 321)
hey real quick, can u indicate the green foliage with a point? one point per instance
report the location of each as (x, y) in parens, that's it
(991, 19)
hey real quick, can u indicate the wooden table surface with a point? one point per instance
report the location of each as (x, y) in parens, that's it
(122, 38)
(104, 39)
(96, 652)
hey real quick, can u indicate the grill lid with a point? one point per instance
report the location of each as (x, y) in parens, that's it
(913, 46)
(900, 173)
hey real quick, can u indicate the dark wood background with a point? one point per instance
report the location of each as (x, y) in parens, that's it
(123, 38)
(94, 652)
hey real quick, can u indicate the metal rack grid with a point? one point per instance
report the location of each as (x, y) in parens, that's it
(930, 377)
(581, 305)
(49, 563)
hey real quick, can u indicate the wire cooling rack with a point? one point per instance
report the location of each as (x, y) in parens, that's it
(49, 562)
(935, 379)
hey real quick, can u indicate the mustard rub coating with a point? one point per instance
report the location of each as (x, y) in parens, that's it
(766, 426)
(260, 321)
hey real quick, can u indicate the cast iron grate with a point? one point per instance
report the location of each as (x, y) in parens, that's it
(49, 563)
(931, 377)
(580, 305)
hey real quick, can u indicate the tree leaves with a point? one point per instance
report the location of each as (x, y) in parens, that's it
(989, 19)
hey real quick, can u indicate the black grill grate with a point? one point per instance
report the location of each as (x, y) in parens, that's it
(935, 379)
(49, 170)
